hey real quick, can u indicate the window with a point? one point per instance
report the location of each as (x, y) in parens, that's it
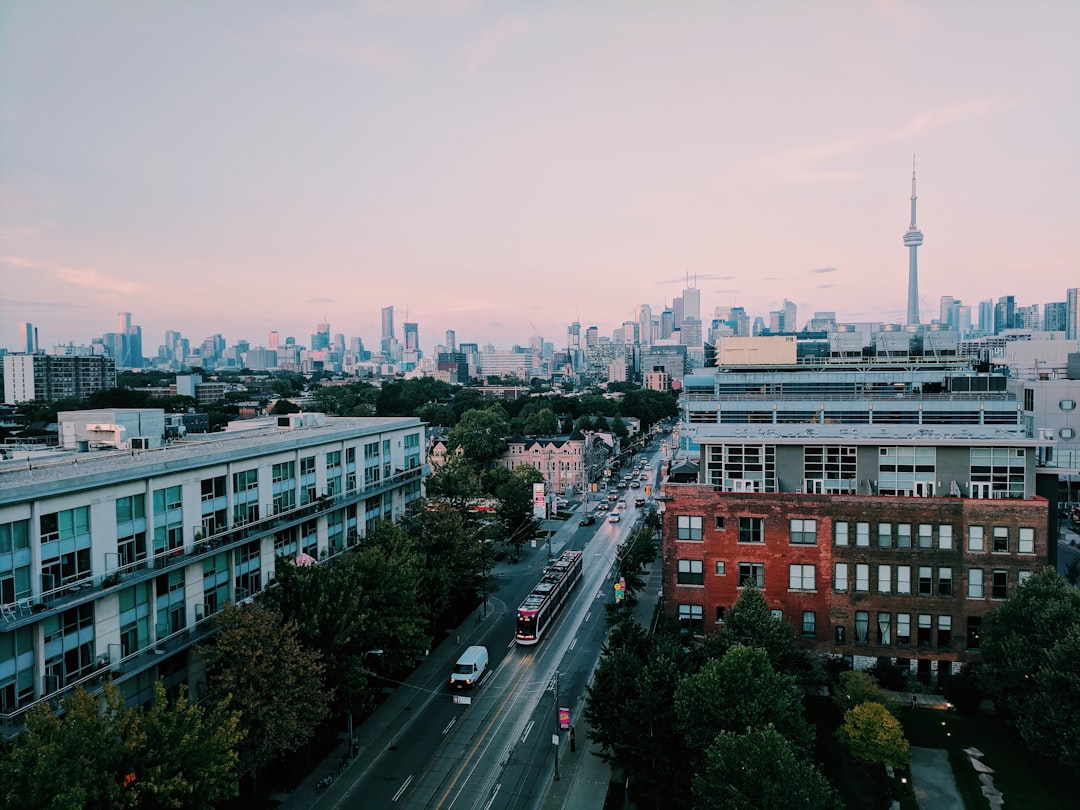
(862, 577)
(884, 578)
(741, 468)
(1065, 404)
(926, 627)
(751, 530)
(944, 537)
(1023, 576)
(307, 466)
(862, 627)
(840, 533)
(719, 523)
(1025, 543)
(803, 532)
(719, 614)
(975, 538)
(777, 613)
(691, 572)
(691, 618)
(840, 634)
(903, 535)
(999, 585)
(997, 472)
(840, 576)
(801, 578)
(903, 579)
(974, 632)
(809, 624)
(884, 535)
(1001, 539)
(884, 629)
(926, 582)
(830, 470)
(944, 632)
(689, 527)
(903, 629)
(926, 535)
(944, 582)
(721, 568)
(862, 534)
(1066, 433)
(975, 583)
(752, 574)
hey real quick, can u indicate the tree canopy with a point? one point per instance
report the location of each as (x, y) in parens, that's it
(873, 735)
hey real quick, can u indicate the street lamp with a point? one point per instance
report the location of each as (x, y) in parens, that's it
(363, 658)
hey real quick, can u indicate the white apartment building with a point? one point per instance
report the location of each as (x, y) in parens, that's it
(112, 561)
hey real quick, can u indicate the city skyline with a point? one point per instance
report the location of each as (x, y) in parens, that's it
(503, 171)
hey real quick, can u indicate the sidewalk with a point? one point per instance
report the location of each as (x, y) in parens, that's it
(585, 777)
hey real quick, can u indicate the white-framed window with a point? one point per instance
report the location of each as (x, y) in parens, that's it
(840, 533)
(690, 572)
(884, 535)
(751, 573)
(944, 536)
(975, 583)
(751, 530)
(903, 579)
(903, 629)
(976, 541)
(692, 618)
(926, 535)
(862, 577)
(801, 578)
(1023, 576)
(999, 584)
(809, 624)
(840, 576)
(903, 535)
(1001, 539)
(944, 581)
(884, 629)
(926, 580)
(721, 568)
(689, 527)
(803, 531)
(884, 578)
(862, 534)
(944, 631)
(1025, 541)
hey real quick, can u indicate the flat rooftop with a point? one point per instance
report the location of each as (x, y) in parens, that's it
(862, 434)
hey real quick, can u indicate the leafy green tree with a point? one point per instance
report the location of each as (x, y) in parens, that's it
(751, 623)
(284, 406)
(632, 557)
(353, 399)
(759, 770)
(406, 397)
(514, 514)
(649, 406)
(1072, 572)
(541, 423)
(853, 688)
(455, 481)
(741, 691)
(872, 734)
(618, 427)
(481, 434)
(257, 663)
(436, 414)
(1050, 721)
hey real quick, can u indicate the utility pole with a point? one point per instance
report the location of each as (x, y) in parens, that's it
(555, 737)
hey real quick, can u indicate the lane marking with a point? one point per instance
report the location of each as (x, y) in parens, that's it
(402, 788)
(573, 643)
(449, 725)
(528, 728)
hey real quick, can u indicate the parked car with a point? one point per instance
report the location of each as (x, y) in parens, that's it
(588, 520)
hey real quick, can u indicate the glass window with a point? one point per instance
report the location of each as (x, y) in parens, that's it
(689, 527)
(862, 627)
(884, 629)
(862, 577)
(1001, 539)
(720, 568)
(803, 532)
(974, 632)
(801, 578)
(809, 624)
(903, 535)
(719, 523)
(692, 618)
(926, 584)
(1025, 543)
(999, 585)
(944, 536)
(840, 533)
(884, 535)
(903, 629)
(944, 631)
(752, 574)
(1067, 404)
(926, 627)
(975, 583)
(903, 579)
(944, 582)
(1023, 576)
(926, 535)
(884, 578)
(691, 572)
(751, 530)
(840, 576)
(975, 538)
(1067, 433)
(862, 534)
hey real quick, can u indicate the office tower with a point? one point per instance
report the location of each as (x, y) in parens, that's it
(912, 239)
(412, 337)
(630, 332)
(451, 341)
(789, 316)
(776, 321)
(1004, 313)
(643, 316)
(592, 336)
(387, 329)
(963, 319)
(691, 333)
(1027, 317)
(1054, 316)
(691, 298)
(986, 317)
(667, 323)
(1071, 315)
(676, 313)
(29, 334)
(947, 302)
(273, 339)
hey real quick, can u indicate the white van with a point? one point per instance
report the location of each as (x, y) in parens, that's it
(469, 668)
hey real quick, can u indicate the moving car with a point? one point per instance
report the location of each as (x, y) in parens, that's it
(639, 501)
(614, 517)
(470, 667)
(588, 520)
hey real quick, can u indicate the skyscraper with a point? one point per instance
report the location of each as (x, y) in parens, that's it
(912, 239)
(451, 341)
(30, 338)
(1071, 314)
(691, 298)
(387, 329)
(412, 337)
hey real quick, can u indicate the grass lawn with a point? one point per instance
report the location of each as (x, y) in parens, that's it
(1025, 779)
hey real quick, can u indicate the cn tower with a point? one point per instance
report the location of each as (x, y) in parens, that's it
(912, 239)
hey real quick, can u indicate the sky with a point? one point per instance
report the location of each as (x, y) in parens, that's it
(505, 168)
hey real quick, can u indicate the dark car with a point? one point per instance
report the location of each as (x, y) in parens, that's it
(588, 520)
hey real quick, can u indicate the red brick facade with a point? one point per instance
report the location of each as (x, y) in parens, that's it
(893, 544)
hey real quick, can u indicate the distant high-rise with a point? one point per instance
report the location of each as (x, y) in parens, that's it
(912, 239)
(1071, 314)
(691, 298)
(412, 337)
(1004, 314)
(31, 341)
(451, 341)
(387, 329)
(986, 316)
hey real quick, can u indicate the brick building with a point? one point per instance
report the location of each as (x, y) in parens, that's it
(874, 542)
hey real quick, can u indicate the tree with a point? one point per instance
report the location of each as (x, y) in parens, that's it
(853, 688)
(541, 423)
(758, 770)
(737, 692)
(256, 662)
(1050, 721)
(514, 514)
(873, 735)
(481, 434)
(618, 427)
(284, 406)
(1072, 572)
(751, 623)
